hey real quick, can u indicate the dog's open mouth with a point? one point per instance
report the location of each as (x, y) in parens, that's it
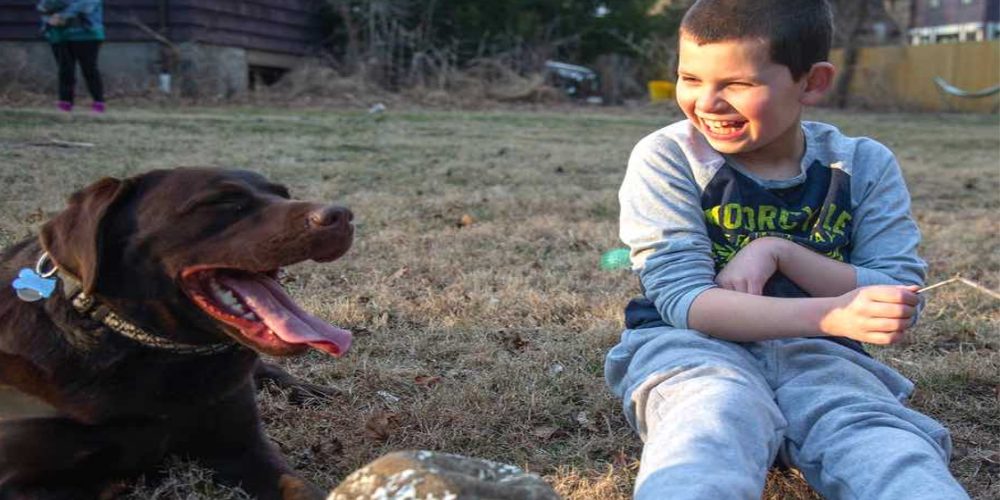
(257, 307)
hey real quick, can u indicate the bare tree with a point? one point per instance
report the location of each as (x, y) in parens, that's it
(352, 49)
(851, 19)
(900, 12)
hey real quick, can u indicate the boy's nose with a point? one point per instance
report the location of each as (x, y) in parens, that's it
(709, 101)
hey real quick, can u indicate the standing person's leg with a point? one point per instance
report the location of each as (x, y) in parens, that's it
(86, 53)
(707, 418)
(67, 74)
(850, 433)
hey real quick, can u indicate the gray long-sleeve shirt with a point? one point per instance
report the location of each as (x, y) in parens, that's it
(687, 209)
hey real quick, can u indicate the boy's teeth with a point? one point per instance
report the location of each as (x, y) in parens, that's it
(723, 126)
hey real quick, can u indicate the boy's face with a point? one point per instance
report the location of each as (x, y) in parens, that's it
(740, 100)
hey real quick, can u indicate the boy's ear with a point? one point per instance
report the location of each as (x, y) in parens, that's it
(819, 81)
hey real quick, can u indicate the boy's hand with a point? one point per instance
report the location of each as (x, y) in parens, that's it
(751, 267)
(56, 20)
(874, 314)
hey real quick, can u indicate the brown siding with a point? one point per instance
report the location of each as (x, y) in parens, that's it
(289, 27)
(20, 21)
(119, 16)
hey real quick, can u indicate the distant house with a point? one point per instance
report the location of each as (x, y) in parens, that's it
(937, 21)
(885, 20)
(209, 47)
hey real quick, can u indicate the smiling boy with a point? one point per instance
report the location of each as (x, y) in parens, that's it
(768, 250)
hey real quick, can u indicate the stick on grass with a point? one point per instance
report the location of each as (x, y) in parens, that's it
(959, 279)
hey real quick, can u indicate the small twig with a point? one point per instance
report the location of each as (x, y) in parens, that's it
(65, 144)
(960, 279)
(981, 288)
(936, 285)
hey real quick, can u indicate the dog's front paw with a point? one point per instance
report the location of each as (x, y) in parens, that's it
(304, 393)
(298, 391)
(294, 488)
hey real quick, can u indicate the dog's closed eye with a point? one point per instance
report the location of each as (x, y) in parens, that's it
(230, 199)
(232, 196)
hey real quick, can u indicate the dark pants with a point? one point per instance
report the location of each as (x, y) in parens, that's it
(67, 54)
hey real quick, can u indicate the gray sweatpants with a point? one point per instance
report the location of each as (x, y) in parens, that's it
(717, 413)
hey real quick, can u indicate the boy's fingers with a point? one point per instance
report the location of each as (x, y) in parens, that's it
(895, 337)
(910, 296)
(893, 295)
(876, 338)
(882, 338)
(887, 325)
(890, 310)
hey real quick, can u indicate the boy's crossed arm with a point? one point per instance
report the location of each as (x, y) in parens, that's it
(738, 311)
(755, 263)
(868, 299)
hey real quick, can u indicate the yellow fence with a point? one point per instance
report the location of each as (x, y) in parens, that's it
(903, 76)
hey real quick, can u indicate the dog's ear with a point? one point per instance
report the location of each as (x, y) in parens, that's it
(74, 238)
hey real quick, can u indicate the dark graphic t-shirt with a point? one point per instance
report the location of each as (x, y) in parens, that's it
(687, 210)
(815, 214)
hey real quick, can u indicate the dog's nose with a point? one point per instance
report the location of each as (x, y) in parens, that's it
(331, 215)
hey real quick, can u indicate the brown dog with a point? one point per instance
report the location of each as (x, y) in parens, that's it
(165, 292)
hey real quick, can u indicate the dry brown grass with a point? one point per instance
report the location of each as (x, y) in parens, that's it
(481, 314)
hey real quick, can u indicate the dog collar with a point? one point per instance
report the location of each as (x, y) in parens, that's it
(88, 306)
(49, 273)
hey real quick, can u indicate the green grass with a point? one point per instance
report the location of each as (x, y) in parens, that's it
(512, 311)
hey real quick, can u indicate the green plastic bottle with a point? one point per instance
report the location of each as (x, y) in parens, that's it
(617, 258)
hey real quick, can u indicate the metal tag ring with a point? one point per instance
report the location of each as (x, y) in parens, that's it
(42, 262)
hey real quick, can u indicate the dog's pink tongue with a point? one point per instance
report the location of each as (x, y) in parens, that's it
(285, 318)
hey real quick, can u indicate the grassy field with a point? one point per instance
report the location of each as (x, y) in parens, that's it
(480, 312)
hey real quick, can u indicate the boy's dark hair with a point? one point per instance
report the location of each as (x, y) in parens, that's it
(799, 31)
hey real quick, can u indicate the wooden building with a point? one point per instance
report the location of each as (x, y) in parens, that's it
(258, 38)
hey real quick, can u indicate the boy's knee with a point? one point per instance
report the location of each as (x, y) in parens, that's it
(721, 387)
(706, 391)
(702, 419)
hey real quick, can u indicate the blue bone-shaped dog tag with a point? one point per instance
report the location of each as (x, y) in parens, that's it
(31, 287)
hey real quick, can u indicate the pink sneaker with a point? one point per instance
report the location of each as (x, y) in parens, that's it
(97, 107)
(64, 106)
